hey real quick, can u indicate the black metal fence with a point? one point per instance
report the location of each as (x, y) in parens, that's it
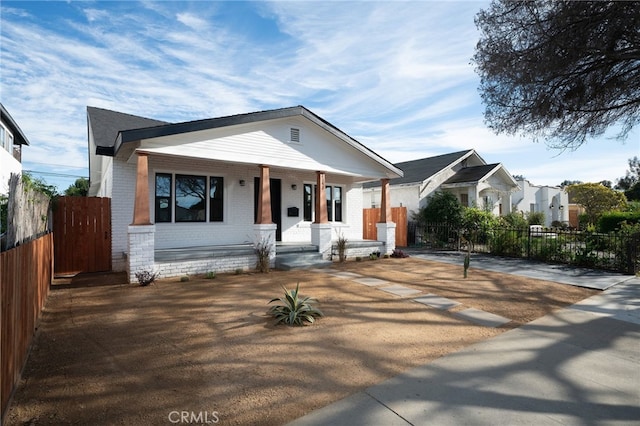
(617, 251)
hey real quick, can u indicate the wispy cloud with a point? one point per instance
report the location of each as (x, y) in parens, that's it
(395, 75)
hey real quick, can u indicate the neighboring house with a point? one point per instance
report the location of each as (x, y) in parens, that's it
(553, 201)
(11, 141)
(283, 175)
(465, 174)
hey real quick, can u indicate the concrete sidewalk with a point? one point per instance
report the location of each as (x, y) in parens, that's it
(577, 366)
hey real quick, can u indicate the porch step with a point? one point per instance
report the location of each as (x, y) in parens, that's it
(300, 260)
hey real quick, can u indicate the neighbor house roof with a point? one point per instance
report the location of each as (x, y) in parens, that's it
(471, 174)
(19, 137)
(419, 170)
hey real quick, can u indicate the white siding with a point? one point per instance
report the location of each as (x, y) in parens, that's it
(8, 165)
(268, 143)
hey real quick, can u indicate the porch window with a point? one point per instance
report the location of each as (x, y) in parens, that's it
(188, 194)
(190, 198)
(163, 198)
(307, 202)
(333, 196)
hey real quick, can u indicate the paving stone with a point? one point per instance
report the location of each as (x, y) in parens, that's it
(481, 317)
(371, 282)
(437, 302)
(399, 290)
(346, 275)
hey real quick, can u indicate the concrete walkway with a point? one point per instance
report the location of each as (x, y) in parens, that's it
(576, 366)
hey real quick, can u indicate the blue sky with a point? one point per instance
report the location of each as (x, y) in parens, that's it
(394, 75)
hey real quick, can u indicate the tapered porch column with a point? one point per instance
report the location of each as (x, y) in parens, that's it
(264, 227)
(264, 197)
(321, 228)
(385, 203)
(141, 233)
(141, 214)
(321, 198)
(386, 228)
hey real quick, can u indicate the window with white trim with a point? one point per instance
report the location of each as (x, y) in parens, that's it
(334, 200)
(188, 198)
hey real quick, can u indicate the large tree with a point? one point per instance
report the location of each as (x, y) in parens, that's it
(562, 71)
(630, 184)
(596, 199)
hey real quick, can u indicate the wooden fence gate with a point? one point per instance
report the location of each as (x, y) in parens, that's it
(82, 235)
(372, 216)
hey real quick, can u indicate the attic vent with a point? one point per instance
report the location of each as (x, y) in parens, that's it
(295, 135)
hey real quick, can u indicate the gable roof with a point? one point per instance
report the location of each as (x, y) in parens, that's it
(19, 137)
(422, 169)
(471, 174)
(106, 125)
(111, 130)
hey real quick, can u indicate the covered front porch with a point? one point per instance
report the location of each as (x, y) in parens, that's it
(150, 248)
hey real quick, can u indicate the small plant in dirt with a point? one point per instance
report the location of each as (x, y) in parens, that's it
(184, 278)
(341, 246)
(294, 309)
(239, 271)
(374, 256)
(210, 275)
(146, 277)
(358, 259)
(399, 253)
(263, 252)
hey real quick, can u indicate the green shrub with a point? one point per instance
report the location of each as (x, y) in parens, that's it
(184, 278)
(210, 275)
(514, 220)
(612, 221)
(294, 309)
(239, 271)
(535, 218)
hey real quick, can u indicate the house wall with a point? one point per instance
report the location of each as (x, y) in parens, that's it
(8, 165)
(541, 198)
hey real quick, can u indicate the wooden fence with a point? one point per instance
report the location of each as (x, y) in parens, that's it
(82, 230)
(372, 216)
(25, 276)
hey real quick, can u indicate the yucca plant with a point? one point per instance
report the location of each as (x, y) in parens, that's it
(294, 309)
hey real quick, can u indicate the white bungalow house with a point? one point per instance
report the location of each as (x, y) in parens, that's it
(11, 141)
(463, 173)
(194, 197)
(553, 201)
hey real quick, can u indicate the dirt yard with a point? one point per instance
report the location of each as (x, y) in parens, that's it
(109, 353)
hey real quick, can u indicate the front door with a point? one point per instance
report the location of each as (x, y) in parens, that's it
(276, 203)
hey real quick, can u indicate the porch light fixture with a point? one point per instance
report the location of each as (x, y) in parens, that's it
(242, 182)
(561, 207)
(294, 186)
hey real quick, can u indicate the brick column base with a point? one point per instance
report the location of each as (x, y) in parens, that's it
(141, 246)
(321, 237)
(387, 234)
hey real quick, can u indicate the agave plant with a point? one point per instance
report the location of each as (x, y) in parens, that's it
(294, 309)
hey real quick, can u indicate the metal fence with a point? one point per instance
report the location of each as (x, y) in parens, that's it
(616, 251)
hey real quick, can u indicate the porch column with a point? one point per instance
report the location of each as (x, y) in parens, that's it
(141, 233)
(385, 227)
(321, 198)
(264, 197)
(321, 228)
(385, 203)
(141, 214)
(264, 228)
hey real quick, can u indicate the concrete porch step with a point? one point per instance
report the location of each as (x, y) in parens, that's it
(300, 260)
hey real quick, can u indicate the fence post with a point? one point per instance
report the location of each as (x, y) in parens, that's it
(529, 243)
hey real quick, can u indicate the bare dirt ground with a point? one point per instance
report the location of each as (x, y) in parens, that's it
(109, 353)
